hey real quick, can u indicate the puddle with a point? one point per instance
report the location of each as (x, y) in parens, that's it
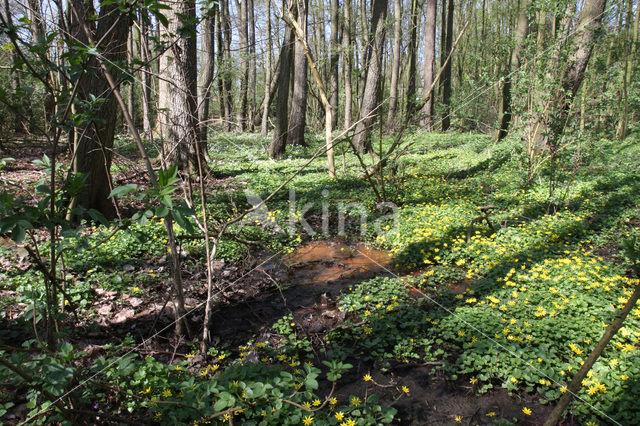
(320, 262)
(311, 280)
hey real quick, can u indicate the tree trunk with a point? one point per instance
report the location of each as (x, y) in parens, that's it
(251, 95)
(413, 46)
(182, 119)
(334, 59)
(131, 89)
(429, 59)
(205, 80)
(522, 27)
(16, 84)
(446, 74)
(93, 147)
(347, 61)
(279, 142)
(395, 67)
(370, 98)
(631, 40)
(264, 128)
(243, 36)
(587, 28)
(145, 79)
(298, 113)
(224, 65)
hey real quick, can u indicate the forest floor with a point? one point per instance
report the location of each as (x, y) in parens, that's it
(445, 320)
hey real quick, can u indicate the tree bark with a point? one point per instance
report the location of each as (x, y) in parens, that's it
(279, 141)
(551, 125)
(251, 95)
(522, 27)
(413, 46)
(180, 72)
(93, 146)
(243, 40)
(145, 78)
(264, 127)
(395, 67)
(205, 79)
(370, 98)
(298, 113)
(347, 61)
(631, 40)
(224, 65)
(333, 61)
(131, 89)
(429, 59)
(446, 75)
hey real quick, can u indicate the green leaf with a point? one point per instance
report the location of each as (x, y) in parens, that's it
(226, 400)
(98, 217)
(17, 234)
(122, 190)
(162, 210)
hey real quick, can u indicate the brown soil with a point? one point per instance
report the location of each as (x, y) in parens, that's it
(313, 277)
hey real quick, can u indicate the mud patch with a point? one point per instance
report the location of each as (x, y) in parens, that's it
(308, 283)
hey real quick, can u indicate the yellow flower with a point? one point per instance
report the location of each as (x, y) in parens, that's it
(624, 377)
(575, 348)
(514, 380)
(458, 419)
(366, 378)
(166, 393)
(307, 420)
(526, 411)
(306, 404)
(405, 389)
(333, 401)
(339, 415)
(491, 414)
(473, 381)
(355, 401)
(316, 402)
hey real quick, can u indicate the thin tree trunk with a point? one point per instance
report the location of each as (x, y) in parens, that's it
(18, 124)
(205, 79)
(587, 28)
(631, 40)
(243, 38)
(347, 61)
(298, 113)
(413, 52)
(251, 95)
(446, 75)
(514, 63)
(576, 383)
(429, 60)
(335, 57)
(395, 67)
(131, 90)
(302, 41)
(145, 79)
(224, 67)
(370, 98)
(264, 128)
